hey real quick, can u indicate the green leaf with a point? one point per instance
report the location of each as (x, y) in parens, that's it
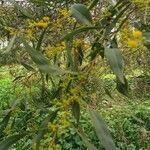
(41, 61)
(11, 43)
(85, 140)
(17, 78)
(8, 142)
(4, 122)
(146, 36)
(102, 131)
(76, 110)
(108, 92)
(82, 14)
(40, 39)
(28, 67)
(24, 12)
(116, 19)
(70, 62)
(115, 60)
(122, 87)
(78, 31)
(97, 48)
(80, 55)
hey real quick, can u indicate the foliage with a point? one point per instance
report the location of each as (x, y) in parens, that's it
(61, 50)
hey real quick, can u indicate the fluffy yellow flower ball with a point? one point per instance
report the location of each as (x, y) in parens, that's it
(132, 43)
(45, 19)
(41, 24)
(137, 34)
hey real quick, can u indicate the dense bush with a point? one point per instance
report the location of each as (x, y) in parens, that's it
(128, 122)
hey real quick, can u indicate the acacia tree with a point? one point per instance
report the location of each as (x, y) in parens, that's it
(61, 47)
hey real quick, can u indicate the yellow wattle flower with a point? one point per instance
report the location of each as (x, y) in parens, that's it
(137, 34)
(132, 43)
(52, 127)
(46, 19)
(41, 24)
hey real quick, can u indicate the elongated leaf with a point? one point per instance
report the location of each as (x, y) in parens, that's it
(80, 55)
(8, 142)
(25, 13)
(108, 92)
(82, 14)
(17, 78)
(122, 87)
(4, 122)
(76, 110)
(10, 45)
(115, 60)
(116, 19)
(97, 48)
(70, 62)
(86, 141)
(147, 38)
(40, 39)
(41, 61)
(28, 67)
(102, 131)
(75, 32)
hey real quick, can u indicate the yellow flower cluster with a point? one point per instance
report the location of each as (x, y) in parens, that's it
(43, 23)
(136, 36)
(142, 4)
(132, 43)
(30, 33)
(52, 127)
(65, 13)
(53, 50)
(59, 125)
(32, 25)
(12, 31)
